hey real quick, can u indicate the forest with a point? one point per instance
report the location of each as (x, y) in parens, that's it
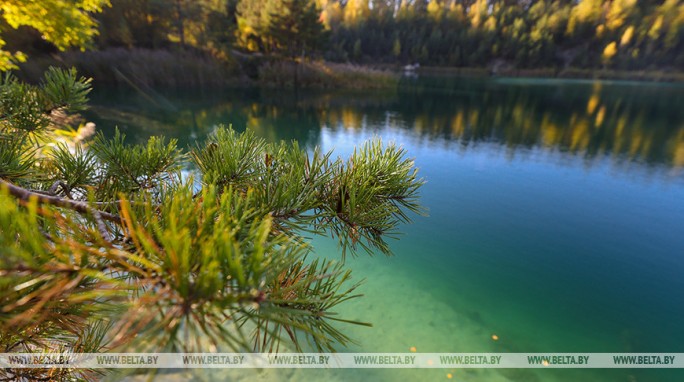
(494, 34)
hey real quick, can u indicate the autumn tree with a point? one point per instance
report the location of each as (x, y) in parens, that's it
(65, 24)
(253, 24)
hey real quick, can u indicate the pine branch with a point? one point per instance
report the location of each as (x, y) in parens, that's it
(75, 205)
(179, 264)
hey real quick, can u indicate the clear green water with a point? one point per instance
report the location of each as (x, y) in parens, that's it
(556, 214)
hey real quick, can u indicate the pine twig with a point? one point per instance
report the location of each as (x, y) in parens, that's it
(78, 206)
(63, 185)
(101, 225)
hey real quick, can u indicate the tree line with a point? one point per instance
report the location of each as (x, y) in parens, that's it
(590, 34)
(623, 34)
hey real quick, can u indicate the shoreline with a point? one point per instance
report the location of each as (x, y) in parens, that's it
(570, 73)
(147, 69)
(191, 69)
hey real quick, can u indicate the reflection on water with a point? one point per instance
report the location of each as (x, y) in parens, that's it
(530, 237)
(639, 123)
(626, 122)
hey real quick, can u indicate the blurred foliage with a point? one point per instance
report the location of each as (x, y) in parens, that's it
(111, 247)
(502, 34)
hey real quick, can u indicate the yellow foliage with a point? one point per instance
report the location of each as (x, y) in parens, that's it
(8, 59)
(478, 12)
(64, 23)
(618, 13)
(490, 24)
(655, 30)
(355, 11)
(627, 36)
(435, 9)
(600, 30)
(609, 52)
(555, 21)
(331, 14)
(456, 12)
(536, 35)
(588, 10)
(585, 12)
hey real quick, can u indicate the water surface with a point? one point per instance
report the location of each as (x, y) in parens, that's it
(556, 213)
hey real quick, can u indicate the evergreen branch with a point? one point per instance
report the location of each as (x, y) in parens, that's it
(75, 205)
(101, 227)
(179, 263)
(57, 184)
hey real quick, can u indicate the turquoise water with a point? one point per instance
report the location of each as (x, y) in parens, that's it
(556, 214)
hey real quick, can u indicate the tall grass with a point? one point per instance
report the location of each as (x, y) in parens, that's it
(154, 69)
(143, 68)
(323, 75)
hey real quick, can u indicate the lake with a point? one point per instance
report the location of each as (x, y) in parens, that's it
(556, 213)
